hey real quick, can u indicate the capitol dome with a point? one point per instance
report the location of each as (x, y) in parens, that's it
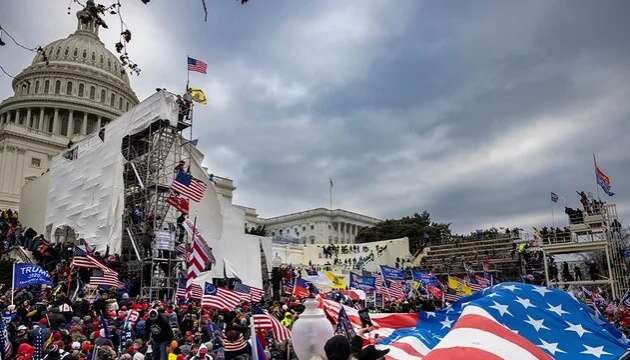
(81, 88)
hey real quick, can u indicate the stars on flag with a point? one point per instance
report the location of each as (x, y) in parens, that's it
(577, 328)
(525, 302)
(447, 323)
(557, 309)
(596, 351)
(541, 290)
(502, 309)
(552, 348)
(537, 324)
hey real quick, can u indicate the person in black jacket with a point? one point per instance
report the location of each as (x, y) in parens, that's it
(159, 332)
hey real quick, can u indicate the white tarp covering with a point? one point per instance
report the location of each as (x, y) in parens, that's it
(87, 193)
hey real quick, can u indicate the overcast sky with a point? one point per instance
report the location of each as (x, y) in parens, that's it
(474, 111)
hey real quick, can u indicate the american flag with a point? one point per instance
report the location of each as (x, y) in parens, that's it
(475, 286)
(384, 324)
(197, 65)
(5, 343)
(451, 297)
(188, 186)
(181, 292)
(266, 322)
(219, 298)
(196, 293)
(393, 292)
(199, 257)
(509, 321)
(80, 258)
(482, 280)
(105, 278)
(249, 293)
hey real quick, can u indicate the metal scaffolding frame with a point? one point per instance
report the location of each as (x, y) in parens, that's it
(151, 157)
(596, 231)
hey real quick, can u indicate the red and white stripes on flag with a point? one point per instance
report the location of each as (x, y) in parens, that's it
(199, 257)
(196, 293)
(451, 297)
(393, 292)
(106, 278)
(384, 324)
(223, 300)
(267, 322)
(80, 258)
(477, 335)
(186, 185)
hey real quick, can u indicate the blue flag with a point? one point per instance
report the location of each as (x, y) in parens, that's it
(365, 283)
(392, 273)
(25, 275)
(426, 279)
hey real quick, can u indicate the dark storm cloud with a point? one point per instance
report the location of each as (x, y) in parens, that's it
(473, 111)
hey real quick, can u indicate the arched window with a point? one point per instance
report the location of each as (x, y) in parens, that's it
(103, 96)
(84, 54)
(109, 64)
(57, 87)
(93, 56)
(81, 89)
(69, 88)
(92, 92)
(67, 52)
(76, 52)
(58, 51)
(101, 59)
(36, 86)
(120, 104)
(46, 86)
(112, 101)
(25, 88)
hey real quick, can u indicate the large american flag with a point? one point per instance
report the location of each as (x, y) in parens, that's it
(219, 298)
(509, 321)
(197, 65)
(268, 322)
(186, 185)
(249, 293)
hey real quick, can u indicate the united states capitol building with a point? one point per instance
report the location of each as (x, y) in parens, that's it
(80, 89)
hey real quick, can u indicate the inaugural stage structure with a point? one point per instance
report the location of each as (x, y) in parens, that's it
(594, 235)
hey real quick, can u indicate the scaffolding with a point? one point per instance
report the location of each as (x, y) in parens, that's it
(594, 230)
(151, 157)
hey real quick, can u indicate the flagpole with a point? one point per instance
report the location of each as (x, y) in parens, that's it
(187, 73)
(13, 283)
(596, 185)
(330, 190)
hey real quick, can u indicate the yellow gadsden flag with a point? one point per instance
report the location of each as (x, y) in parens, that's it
(338, 281)
(460, 287)
(198, 95)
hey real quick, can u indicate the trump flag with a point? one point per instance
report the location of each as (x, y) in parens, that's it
(25, 275)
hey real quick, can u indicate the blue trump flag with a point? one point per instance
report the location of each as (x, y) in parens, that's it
(425, 279)
(392, 273)
(25, 275)
(365, 283)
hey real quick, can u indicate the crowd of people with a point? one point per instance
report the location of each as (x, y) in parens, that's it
(69, 320)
